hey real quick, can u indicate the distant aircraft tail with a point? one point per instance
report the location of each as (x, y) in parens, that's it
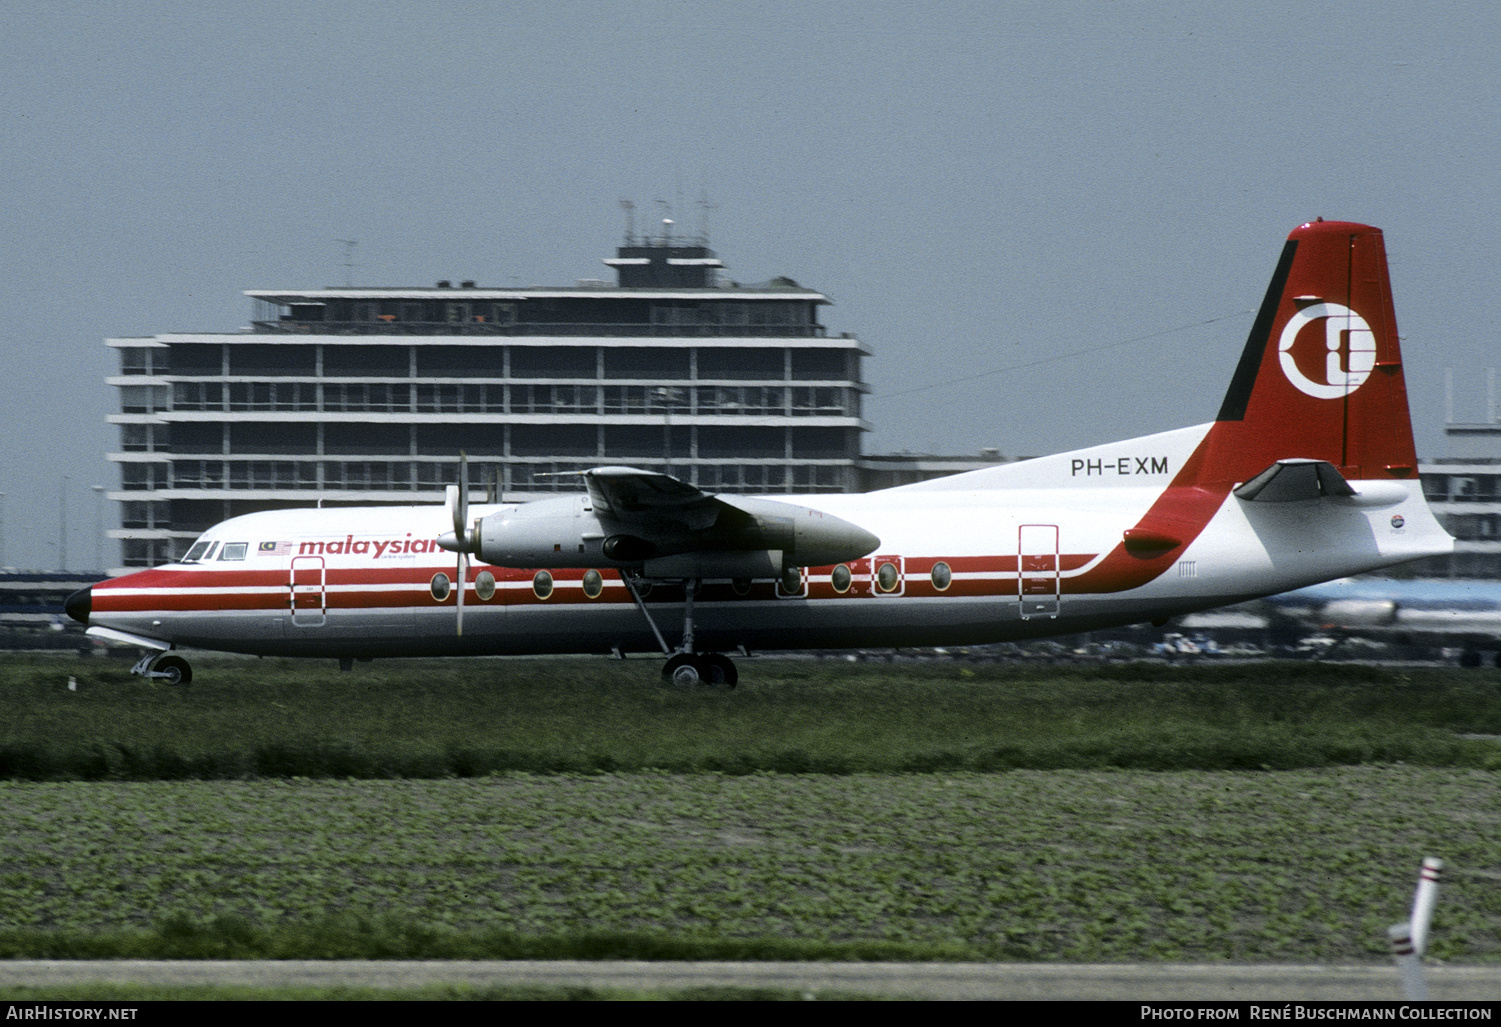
(1321, 374)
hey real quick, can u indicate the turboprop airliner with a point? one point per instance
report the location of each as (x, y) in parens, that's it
(1308, 473)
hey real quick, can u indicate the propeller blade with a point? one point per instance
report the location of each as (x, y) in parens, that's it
(451, 504)
(463, 584)
(461, 534)
(460, 508)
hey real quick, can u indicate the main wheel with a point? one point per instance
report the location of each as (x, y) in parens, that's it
(685, 669)
(174, 670)
(721, 670)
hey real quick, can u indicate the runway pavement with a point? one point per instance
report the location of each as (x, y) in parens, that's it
(1031, 981)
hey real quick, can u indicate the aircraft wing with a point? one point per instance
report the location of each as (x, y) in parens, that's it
(632, 516)
(635, 497)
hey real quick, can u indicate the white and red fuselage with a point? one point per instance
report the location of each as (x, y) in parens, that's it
(1122, 533)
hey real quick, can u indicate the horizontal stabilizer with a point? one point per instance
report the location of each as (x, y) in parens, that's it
(1289, 481)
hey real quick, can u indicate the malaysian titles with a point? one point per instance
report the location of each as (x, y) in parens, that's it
(366, 547)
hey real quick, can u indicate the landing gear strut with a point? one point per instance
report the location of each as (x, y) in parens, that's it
(684, 666)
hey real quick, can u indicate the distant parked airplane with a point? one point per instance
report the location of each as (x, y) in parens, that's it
(1455, 613)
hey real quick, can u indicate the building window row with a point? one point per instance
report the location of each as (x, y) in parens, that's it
(357, 438)
(1462, 488)
(417, 476)
(151, 552)
(599, 316)
(733, 477)
(445, 311)
(641, 363)
(137, 514)
(294, 397)
(1474, 527)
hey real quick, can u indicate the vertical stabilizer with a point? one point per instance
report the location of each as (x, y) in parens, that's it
(1321, 374)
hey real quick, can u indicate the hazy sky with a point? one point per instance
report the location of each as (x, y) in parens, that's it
(1086, 198)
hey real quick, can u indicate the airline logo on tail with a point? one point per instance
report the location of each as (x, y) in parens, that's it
(1346, 334)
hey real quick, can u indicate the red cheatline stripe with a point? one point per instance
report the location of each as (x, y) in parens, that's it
(408, 586)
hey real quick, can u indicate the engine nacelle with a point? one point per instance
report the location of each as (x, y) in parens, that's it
(562, 532)
(807, 537)
(722, 530)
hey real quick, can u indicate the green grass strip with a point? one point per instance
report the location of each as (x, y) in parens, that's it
(471, 718)
(106, 992)
(1072, 866)
(396, 937)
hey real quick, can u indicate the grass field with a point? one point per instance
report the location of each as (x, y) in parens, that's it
(126, 993)
(271, 718)
(1066, 865)
(563, 808)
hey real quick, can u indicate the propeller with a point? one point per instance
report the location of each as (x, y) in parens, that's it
(457, 504)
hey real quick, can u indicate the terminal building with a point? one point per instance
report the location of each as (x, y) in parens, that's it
(1464, 490)
(374, 392)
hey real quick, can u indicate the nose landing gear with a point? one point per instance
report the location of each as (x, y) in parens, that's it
(165, 667)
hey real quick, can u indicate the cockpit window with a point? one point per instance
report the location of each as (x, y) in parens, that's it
(202, 550)
(234, 550)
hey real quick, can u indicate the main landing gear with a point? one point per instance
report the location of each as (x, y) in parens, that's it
(684, 666)
(701, 668)
(165, 667)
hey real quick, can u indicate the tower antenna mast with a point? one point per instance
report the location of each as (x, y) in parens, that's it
(630, 221)
(667, 222)
(349, 264)
(704, 206)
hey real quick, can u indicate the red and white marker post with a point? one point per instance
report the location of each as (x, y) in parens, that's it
(1422, 902)
(1414, 987)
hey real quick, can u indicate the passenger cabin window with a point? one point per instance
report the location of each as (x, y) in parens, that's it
(234, 550)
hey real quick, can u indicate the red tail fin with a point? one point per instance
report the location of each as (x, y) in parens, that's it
(1321, 374)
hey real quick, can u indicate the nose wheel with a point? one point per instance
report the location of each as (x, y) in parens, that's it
(164, 667)
(688, 669)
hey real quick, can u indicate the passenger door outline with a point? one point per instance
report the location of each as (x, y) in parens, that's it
(1038, 585)
(307, 591)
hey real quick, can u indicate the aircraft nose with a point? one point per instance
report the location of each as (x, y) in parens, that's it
(80, 604)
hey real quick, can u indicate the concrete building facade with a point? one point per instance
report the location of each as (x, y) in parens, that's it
(1464, 490)
(372, 393)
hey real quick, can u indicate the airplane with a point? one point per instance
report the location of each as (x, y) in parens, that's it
(1308, 473)
(1452, 613)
